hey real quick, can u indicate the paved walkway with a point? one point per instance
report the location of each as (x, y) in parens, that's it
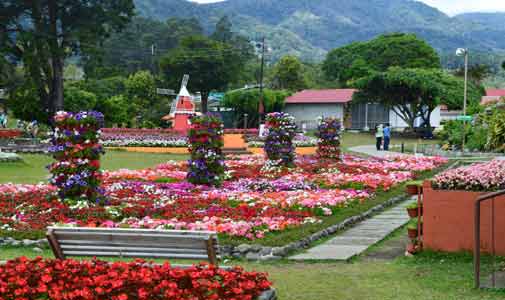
(370, 150)
(359, 238)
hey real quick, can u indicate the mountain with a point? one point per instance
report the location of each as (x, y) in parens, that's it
(310, 28)
(488, 20)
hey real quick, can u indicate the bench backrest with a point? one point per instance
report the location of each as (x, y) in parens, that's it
(138, 243)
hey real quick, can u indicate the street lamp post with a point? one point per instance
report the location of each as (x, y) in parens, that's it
(464, 52)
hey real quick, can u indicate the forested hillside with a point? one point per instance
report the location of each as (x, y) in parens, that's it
(310, 28)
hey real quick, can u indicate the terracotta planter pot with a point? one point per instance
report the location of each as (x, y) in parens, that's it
(412, 212)
(413, 248)
(412, 233)
(412, 189)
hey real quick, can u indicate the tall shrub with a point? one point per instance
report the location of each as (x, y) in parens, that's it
(206, 165)
(328, 132)
(279, 146)
(76, 148)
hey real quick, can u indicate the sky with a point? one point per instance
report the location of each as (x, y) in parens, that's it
(450, 7)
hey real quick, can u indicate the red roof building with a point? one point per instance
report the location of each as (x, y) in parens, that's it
(495, 92)
(321, 96)
(492, 96)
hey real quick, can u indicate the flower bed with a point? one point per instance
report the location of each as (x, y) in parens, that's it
(70, 279)
(476, 177)
(299, 140)
(249, 204)
(132, 137)
(10, 133)
(145, 141)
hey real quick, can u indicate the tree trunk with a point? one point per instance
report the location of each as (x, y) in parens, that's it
(57, 83)
(57, 54)
(205, 97)
(405, 115)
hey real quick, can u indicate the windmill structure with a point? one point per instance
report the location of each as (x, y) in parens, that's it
(182, 108)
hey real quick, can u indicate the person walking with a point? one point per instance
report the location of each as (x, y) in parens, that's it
(387, 137)
(379, 134)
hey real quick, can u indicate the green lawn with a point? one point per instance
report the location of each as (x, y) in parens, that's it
(33, 167)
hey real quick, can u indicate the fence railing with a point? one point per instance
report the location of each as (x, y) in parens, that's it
(477, 237)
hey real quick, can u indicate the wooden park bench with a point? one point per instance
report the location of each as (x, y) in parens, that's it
(133, 243)
(138, 243)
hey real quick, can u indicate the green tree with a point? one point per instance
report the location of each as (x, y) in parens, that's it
(210, 64)
(288, 74)
(42, 34)
(410, 93)
(360, 59)
(223, 31)
(453, 92)
(247, 101)
(130, 50)
(116, 110)
(476, 73)
(77, 99)
(141, 90)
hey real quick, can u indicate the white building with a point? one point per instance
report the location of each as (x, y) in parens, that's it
(306, 106)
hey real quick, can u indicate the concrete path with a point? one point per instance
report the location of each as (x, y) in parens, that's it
(370, 150)
(359, 238)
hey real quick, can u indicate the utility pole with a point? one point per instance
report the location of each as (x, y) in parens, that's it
(465, 99)
(153, 53)
(261, 108)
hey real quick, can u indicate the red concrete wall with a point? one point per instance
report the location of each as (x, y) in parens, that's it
(448, 221)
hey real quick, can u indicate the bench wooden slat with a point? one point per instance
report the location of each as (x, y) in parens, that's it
(136, 254)
(134, 248)
(131, 230)
(80, 234)
(120, 242)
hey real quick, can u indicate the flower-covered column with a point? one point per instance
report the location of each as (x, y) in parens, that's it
(206, 165)
(76, 172)
(279, 146)
(328, 132)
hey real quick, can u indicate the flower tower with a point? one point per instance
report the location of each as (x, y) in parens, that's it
(328, 132)
(76, 148)
(206, 165)
(279, 146)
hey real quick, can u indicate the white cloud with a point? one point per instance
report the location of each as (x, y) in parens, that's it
(453, 7)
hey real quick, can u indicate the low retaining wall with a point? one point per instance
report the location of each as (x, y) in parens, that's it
(448, 221)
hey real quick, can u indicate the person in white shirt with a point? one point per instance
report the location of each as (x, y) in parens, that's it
(379, 134)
